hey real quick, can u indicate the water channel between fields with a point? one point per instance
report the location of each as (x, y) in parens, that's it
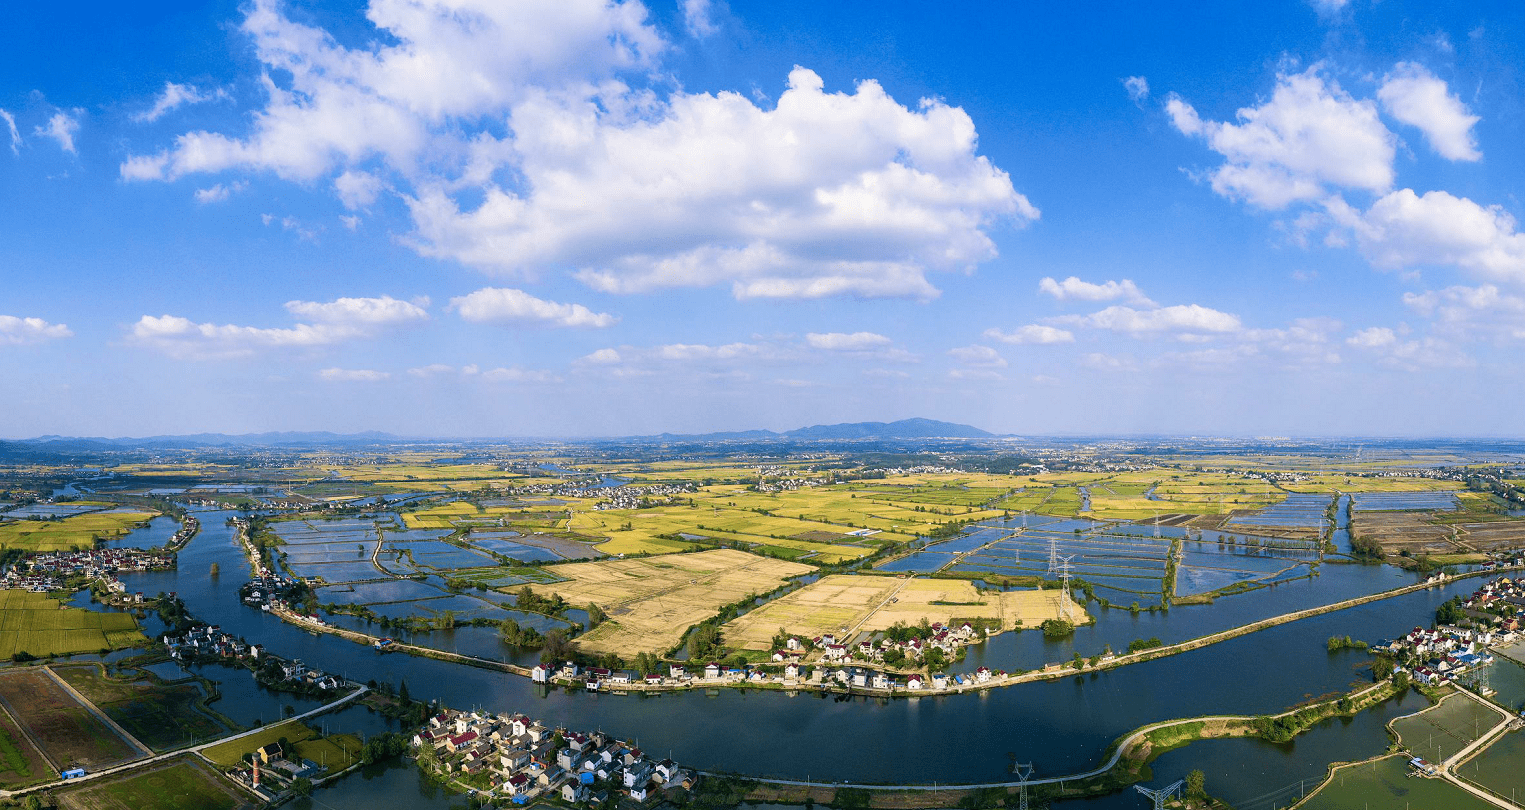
(1062, 726)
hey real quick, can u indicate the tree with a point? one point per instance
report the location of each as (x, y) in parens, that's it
(596, 615)
(302, 786)
(1057, 628)
(1196, 786)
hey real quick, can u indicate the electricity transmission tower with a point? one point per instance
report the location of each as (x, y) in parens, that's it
(1053, 554)
(1024, 772)
(1064, 590)
(1163, 794)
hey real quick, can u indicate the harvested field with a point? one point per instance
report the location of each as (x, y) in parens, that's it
(652, 602)
(184, 784)
(846, 604)
(38, 625)
(160, 716)
(1400, 531)
(1494, 536)
(66, 731)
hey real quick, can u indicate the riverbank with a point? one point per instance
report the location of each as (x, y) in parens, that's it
(1126, 765)
(981, 681)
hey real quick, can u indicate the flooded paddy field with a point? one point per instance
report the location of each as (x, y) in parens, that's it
(1297, 510)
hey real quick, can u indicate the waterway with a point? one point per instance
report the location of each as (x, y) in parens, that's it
(1062, 726)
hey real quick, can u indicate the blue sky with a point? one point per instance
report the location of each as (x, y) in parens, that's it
(472, 218)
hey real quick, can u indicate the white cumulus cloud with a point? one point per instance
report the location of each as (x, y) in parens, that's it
(629, 187)
(1137, 87)
(977, 356)
(337, 321)
(1413, 95)
(1032, 333)
(846, 342)
(503, 305)
(1404, 229)
(361, 312)
(1181, 318)
(1073, 289)
(1311, 135)
(16, 331)
(354, 375)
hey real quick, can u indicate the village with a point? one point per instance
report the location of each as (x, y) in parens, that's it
(1465, 632)
(520, 759)
(832, 667)
(45, 572)
(202, 643)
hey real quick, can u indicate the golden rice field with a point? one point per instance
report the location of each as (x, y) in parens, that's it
(652, 602)
(849, 604)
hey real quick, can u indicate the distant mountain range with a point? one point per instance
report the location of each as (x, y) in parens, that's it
(903, 429)
(273, 439)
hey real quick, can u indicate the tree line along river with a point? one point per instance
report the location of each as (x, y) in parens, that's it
(1061, 726)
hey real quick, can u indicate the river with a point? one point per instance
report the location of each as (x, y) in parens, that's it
(1062, 726)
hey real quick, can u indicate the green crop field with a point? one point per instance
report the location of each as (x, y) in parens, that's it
(68, 534)
(39, 625)
(230, 753)
(1386, 785)
(20, 761)
(184, 784)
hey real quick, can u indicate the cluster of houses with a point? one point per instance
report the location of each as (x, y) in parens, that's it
(209, 641)
(776, 478)
(99, 563)
(632, 497)
(188, 528)
(261, 591)
(1445, 652)
(47, 571)
(872, 650)
(793, 675)
(523, 760)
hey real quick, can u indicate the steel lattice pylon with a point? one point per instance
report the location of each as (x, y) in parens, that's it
(1161, 795)
(1024, 772)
